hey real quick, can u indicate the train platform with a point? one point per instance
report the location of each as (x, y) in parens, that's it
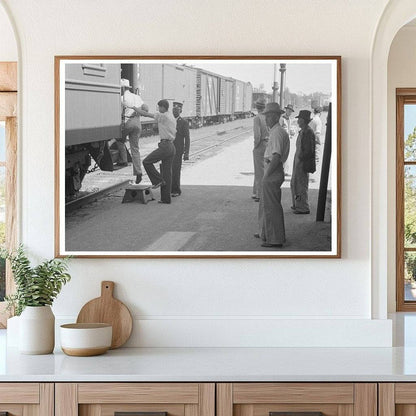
(215, 212)
(204, 218)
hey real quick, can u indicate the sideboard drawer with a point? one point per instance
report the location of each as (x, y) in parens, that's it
(296, 399)
(152, 399)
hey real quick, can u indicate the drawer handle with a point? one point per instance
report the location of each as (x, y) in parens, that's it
(139, 414)
(296, 414)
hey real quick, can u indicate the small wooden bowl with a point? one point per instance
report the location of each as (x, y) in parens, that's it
(85, 340)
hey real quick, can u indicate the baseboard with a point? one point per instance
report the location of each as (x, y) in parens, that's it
(193, 332)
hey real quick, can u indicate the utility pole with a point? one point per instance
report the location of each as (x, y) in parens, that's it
(282, 83)
(275, 84)
(326, 161)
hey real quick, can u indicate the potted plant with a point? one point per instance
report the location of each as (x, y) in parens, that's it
(36, 289)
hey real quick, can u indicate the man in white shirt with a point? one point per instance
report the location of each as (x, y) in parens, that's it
(271, 217)
(164, 153)
(131, 127)
(286, 121)
(316, 126)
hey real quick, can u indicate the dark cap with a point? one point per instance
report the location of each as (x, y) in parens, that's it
(305, 115)
(163, 103)
(273, 108)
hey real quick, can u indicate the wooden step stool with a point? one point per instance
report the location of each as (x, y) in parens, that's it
(140, 193)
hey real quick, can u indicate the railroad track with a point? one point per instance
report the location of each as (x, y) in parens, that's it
(220, 133)
(219, 143)
(71, 206)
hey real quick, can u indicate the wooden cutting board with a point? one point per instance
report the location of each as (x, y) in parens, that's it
(107, 309)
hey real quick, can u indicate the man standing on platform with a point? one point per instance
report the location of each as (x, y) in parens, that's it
(303, 164)
(261, 135)
(182, 144)
(271, 217)
(164, 153)
(316, 126)
(286, 120)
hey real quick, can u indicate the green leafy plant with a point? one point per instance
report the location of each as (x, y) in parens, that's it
(35, 286)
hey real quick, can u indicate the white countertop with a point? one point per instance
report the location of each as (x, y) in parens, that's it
(213, 364)
(222, 364)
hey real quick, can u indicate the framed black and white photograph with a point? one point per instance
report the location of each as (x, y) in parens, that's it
(198, 156)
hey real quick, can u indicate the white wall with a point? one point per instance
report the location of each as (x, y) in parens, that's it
(8, 47)
(401, 74)
(179, 302)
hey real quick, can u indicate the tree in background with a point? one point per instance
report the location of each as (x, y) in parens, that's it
(410, 206)
(2, 240)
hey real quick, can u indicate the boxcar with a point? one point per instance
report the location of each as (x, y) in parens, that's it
(239, 92)
(170, 82)
(207, 96)
(226, 97)
(248, 98)
(92, 117)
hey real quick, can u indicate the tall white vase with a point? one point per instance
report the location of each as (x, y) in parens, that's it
(37, 330)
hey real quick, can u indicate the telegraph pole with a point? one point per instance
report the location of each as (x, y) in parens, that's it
(282, 83)
(275, 84)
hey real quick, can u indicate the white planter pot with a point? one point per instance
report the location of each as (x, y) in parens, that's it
(37, 330)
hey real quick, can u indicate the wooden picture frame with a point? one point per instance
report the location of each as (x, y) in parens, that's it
(215, 217)
(8, 116)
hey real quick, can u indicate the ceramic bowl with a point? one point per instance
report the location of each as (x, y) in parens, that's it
(83, 340)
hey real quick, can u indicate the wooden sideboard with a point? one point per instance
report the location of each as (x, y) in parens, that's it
(208, 399)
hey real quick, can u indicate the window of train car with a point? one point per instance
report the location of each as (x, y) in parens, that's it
(2, 206)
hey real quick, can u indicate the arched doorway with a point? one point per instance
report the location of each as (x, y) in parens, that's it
(396, 14)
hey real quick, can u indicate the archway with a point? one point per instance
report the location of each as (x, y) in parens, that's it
(396, 14)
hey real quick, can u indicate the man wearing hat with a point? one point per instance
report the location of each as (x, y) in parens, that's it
(316, 126)
(182, 143)
(286, 121)
(131, 127)
(303, 164)
(261, 134)
(271, 217)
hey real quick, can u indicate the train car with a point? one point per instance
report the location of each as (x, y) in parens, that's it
(207, 96)
(163, 81)
(92, 117)
(93, 113)
(226, 98)
(239, 87)
(243, 99)
(170, 82)
(248, 99)
(219, 98)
